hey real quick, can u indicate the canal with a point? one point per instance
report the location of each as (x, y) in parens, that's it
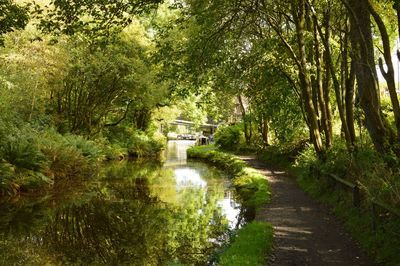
(130, 213)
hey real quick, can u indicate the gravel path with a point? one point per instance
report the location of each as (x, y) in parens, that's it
(306, 232)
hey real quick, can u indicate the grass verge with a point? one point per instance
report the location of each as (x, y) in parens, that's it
(252, 243)
(250, 246)
(250, 184)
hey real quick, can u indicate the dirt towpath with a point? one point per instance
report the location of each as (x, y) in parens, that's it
(306, 232)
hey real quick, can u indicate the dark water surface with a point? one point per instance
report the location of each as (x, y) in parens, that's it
(131, 213)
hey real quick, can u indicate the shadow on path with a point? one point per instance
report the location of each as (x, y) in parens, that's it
(305, 232)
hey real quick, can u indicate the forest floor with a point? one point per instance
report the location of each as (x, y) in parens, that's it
(306, 232)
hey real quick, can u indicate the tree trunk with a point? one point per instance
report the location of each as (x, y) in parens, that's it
(326, 87)
(247, 133)
(363, 58)
(299, 9)
(265, 131)
(349, 101)
(389, 74)
(320, 90)
(348, 82)
(336, 84)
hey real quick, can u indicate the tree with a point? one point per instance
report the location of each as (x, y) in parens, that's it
(99, 20)
(363, 57)
(12, 17)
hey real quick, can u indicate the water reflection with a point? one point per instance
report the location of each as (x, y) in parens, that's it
(133, 213)
(175, 153)
(188, 177)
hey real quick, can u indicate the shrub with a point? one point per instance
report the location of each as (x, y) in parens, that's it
(141, 145)
(7, 176)
(88, 148)
(21, 160)
(136, 143)
(228, 137)
(22, 150)
(284, 154)
(69, 156)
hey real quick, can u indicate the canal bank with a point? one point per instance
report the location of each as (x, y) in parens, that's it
(251, 244)
(130, 212)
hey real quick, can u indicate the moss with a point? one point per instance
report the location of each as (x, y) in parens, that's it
(250, 246)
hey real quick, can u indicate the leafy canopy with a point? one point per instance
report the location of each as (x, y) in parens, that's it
(12, 17)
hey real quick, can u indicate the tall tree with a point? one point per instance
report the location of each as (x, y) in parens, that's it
(363, 57)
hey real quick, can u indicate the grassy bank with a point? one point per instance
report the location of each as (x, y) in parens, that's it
(252, 243)
(364, 167)
(250, 185)
(250, 246)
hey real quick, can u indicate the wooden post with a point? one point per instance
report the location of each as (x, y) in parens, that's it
(373, 216)
(356, 196)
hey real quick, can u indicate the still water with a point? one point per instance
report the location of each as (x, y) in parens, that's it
(130, 213)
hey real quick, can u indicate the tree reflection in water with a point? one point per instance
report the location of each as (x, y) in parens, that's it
(132, 214)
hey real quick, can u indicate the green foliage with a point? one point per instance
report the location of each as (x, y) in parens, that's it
(70, 156)
(250, 246)
(22, 162)
(229, 137)
(365, 167)
(7, 176)
(129, 141)
(22, 151)
(141, 145)
(12, 17)
(88, 148)
(284, 154)
(98, 19)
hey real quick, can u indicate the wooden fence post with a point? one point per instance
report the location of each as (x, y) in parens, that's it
(356, 196)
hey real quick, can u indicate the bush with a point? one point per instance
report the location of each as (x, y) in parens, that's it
(69, 156)
(7, 177)
(134, 143)
(228, 137)
(141, 145)
(285, 154)
(22, 151)
(88, 148)
(21, 160)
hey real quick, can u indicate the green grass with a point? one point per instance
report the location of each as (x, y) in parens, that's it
(250, 246)
(250, 185)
